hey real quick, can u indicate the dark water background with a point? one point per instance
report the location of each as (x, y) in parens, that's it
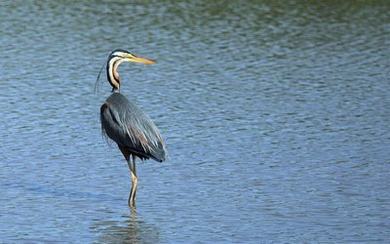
(276, 116)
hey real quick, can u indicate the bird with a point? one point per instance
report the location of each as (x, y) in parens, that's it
(126, 124)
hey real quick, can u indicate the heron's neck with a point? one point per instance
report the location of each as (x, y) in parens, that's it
(112, 72)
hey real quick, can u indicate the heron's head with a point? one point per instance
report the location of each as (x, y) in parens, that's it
(117, 57)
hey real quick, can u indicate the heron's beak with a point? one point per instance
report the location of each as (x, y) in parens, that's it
(141, 60)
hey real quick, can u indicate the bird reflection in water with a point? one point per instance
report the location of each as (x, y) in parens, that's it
(130, 230)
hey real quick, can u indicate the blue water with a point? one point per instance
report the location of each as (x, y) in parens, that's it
(276, 118)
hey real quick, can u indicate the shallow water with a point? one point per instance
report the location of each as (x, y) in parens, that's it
(276, 118)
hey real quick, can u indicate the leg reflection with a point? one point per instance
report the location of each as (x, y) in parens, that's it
(131, 229)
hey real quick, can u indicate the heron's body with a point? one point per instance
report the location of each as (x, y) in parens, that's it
(131, 129)
(124, 123)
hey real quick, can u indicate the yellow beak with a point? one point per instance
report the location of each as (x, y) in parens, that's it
(141, 60)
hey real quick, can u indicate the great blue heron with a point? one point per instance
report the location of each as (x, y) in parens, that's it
(123, 122)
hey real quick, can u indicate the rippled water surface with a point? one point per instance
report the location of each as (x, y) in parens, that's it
(276, 118)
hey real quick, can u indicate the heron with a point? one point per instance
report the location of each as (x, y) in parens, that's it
(124, 123)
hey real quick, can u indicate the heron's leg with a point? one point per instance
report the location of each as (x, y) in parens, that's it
(134, 181)
(135, 178)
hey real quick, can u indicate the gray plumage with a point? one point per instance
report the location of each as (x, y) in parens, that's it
(133, 131)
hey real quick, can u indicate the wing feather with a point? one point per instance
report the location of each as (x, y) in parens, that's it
(127, 125)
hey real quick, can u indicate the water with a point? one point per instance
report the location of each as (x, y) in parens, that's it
(276, 118)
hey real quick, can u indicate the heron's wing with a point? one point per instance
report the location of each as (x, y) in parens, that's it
(143, 133)
(128, 126)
